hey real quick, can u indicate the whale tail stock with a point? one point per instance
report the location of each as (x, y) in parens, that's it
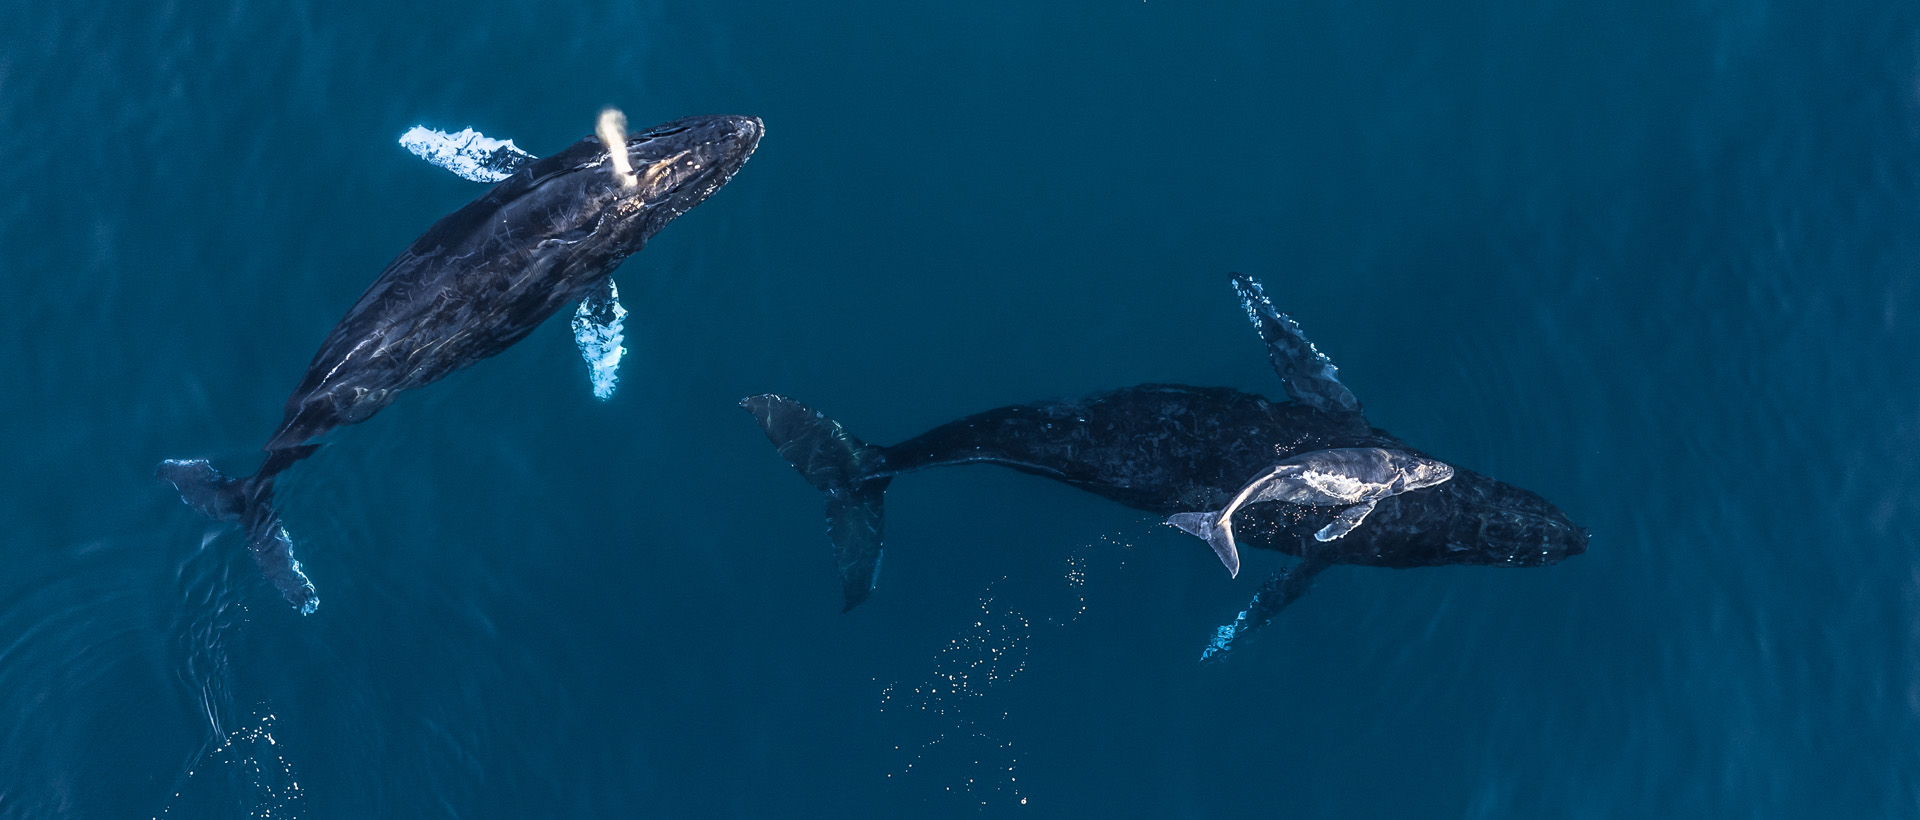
(840, 465)
(249, 503)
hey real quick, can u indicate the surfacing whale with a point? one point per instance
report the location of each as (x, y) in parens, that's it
(548, 234)
(598, 327)
(1309, 477)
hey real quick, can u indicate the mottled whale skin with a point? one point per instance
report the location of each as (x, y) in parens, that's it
(486, 275)
(476, 282)
(1169, 448)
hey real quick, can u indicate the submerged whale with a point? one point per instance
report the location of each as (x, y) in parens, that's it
(549, 234)
(1310, 477)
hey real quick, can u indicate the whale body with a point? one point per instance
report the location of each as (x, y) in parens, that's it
(546, 236)
(1173, 450)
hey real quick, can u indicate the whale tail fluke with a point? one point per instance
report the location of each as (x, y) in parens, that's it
(249, 503)
(203, 488)
(1206, 527)
(840, 465)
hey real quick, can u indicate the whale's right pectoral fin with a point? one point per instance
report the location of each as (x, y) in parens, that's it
(599, 328)
(1285, 587)
(1308, 374)
(1347, 520)
(468, 153)
(1206, 526)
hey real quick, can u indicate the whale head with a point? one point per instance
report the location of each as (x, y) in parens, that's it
(1474, 519)
(1506, 525)
(589, 200)
(675, 166)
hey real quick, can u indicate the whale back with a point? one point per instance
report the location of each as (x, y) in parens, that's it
(1350, 475)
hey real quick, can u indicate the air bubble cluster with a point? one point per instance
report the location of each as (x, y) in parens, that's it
(968, 754)
(250, 758)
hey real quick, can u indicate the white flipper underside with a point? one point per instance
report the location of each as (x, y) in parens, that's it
(599, 329)
(468, 153)
(1347, 520)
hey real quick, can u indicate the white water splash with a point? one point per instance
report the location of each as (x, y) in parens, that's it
(469, 153)
(599, 330)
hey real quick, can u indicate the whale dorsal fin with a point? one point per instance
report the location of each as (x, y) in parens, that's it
(599, 329)
(468, 153)
(1308, 374)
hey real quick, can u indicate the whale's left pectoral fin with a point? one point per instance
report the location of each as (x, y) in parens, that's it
(599, 328)
(1347, 520)
(469, 153)
(1308, 374)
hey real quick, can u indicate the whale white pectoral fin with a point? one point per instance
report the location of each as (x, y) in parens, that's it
(599, 329)
(468, 153)
(1205, 525)
(1345, 522)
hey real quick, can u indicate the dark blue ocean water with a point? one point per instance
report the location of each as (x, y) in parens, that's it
(1659, 262)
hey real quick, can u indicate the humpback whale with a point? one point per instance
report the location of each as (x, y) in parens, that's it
(1309, 476)
(549, 233)
(1355, 477)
